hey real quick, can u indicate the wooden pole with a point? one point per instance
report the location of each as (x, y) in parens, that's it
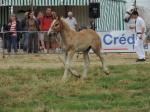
(135, 4)
(31, 4)
(3, 44)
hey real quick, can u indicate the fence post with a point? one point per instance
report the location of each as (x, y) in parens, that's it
(3, 45)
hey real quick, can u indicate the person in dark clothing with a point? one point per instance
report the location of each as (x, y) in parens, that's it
(24, 26)
(3, 29)
(33, 35)
(13, 26)
(92, 24)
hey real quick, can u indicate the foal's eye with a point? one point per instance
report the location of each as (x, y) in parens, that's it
(56, 24)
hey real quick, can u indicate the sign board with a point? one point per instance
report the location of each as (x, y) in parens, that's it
(119, 41)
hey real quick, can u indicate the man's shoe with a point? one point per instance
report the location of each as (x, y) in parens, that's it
(140, 60)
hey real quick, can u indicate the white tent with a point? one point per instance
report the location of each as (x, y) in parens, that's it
(143, 3)
(144, 9)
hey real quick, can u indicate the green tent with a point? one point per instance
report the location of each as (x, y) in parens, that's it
(111, 11)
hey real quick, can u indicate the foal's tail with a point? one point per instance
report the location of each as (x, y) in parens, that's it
(97, 44)
(97, 47)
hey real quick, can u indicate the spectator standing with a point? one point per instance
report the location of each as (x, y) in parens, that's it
(13, 26)
(72, 22)
(45, 25)
(33, 36)
(92, 24)
(24, 25)
(6, 35)
(41, 34)
(54, 44)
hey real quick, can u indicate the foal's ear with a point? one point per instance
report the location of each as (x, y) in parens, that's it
(58, 17)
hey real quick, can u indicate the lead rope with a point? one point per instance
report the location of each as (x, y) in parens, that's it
(135, 26)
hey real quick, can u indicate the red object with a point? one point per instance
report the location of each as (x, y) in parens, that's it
(46, 23)
(117, 49)
(13, 28)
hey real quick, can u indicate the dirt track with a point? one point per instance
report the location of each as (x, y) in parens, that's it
(52, 61)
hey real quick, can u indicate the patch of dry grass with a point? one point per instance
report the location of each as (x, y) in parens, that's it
(32, 83)
(43, 61)
(127, 89)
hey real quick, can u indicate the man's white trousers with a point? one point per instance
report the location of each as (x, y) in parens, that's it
(139, 47)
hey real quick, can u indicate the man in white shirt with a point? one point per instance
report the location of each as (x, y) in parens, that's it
(71, 21)
(140, 29)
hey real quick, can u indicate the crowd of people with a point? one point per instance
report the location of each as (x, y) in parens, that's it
(33, 31)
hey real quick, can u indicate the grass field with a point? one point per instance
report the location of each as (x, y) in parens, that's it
(127, 89)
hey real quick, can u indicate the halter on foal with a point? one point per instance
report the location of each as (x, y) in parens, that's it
(74, 42)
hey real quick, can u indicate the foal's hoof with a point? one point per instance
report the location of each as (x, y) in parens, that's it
(76, 74)
(107, 72)
(64, 80)
(84, 78)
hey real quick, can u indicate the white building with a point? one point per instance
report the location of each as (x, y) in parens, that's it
(144, 3)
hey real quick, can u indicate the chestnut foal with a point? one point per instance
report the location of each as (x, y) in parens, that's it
(74, 42)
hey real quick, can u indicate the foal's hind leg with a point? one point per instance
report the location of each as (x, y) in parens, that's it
(86, 65)
(100, 55)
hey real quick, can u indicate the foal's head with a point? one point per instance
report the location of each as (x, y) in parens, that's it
(56, 26)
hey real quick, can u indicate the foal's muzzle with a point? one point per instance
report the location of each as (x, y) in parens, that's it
(50, 32)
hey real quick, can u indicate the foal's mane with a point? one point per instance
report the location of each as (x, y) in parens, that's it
(65, 24)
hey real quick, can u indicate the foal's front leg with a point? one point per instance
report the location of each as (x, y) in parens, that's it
(68, 60)
(86, 65)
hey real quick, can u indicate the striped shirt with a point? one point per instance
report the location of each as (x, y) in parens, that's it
(13, 28)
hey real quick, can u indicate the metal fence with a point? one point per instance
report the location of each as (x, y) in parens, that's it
(4, 43)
